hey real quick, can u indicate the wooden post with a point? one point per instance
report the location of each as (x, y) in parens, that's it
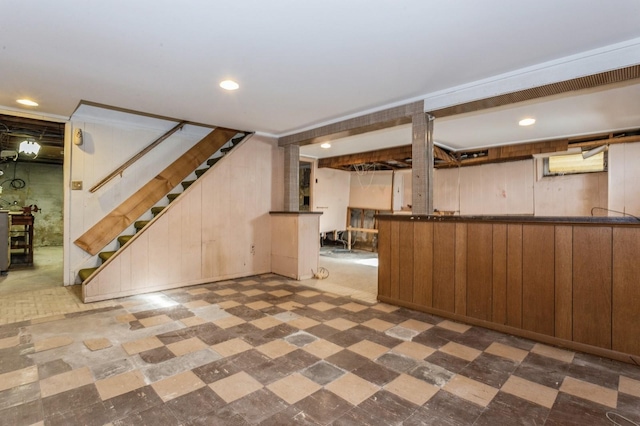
(422, 164)
(291, 178)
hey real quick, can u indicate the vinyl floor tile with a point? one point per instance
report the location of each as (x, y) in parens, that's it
(268, 351)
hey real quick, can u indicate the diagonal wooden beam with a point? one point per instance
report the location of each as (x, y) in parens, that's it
(443, 155)
(107, 229)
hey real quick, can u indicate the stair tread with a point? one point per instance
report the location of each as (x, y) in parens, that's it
(173, 196)
(86, 273)
(156, 210)
(122, 239)
(187, 183)
(200, 172)
(139, 224)
(212, 161)
(105, 255)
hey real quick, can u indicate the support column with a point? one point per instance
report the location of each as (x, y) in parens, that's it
(422, 164)
(291, 178)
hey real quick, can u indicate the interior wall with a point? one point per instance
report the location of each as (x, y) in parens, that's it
(220, 228)
(570, 195)
(371, 190)
(515, 188)
(27, 183)
(490, 189)
(107, 144)
(331, 197)
(624, 178)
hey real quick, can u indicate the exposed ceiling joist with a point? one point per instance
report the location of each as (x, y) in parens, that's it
(388, 159)
(343, 162)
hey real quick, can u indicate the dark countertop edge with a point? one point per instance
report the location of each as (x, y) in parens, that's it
(294, 213)
(576, 220)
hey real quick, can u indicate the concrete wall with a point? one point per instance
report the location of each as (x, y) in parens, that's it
(43, 186)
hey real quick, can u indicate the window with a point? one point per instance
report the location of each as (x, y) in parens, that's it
(560, 165)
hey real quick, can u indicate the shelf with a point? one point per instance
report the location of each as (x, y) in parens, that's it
(21, 239)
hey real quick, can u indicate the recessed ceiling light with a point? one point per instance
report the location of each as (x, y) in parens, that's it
(325, 145)
(527, 121)
(229, 85)
(27, 102)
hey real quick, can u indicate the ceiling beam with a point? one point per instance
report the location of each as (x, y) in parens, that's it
(587, 82)
(379, 120)
(399, 154)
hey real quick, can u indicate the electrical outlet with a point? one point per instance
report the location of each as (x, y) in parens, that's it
(76, 185)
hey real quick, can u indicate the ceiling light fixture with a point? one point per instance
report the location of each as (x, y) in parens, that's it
(325, 145)
(527, 121)
(229, 85)
(29, 147)
(27, 102)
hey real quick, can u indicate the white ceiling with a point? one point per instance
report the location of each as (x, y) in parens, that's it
(299, 63)
(599, 110)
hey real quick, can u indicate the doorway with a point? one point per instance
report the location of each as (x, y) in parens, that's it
(304, 174)
(31, 189)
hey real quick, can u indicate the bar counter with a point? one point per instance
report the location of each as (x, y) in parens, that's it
(571, 282)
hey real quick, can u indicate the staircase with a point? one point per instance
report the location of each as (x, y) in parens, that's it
(139, 225)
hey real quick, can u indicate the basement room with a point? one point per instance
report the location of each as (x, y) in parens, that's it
(319, 213)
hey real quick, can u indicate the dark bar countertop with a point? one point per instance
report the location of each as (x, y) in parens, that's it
(569, 220)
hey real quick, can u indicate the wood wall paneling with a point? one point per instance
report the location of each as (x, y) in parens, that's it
(461, 269)
(626, 291)
(125, 270)
(592, 285)
(109, 281)
(140, 262)
(499, 308)
(384, 252)
(423, 263)
(394, 286)
(194, 215)
(405, 253)
(538, 292)
(560, 283)
(514, 275)
(444, 244)
(564, 282)
(479, 270)
(159, 251)
(174, 216)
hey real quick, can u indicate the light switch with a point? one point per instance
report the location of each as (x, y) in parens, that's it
(76, 185)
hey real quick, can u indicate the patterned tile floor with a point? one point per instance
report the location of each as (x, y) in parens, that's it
(265, 350)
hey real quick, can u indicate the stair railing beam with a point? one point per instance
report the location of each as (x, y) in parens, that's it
(136, 157)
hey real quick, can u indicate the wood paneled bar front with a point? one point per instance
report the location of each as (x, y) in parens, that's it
(570, 282)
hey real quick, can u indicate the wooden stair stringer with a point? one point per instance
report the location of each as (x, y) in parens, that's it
(112, 225)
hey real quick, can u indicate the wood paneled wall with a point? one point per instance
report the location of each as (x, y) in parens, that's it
(219, 228)
(575, 285)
